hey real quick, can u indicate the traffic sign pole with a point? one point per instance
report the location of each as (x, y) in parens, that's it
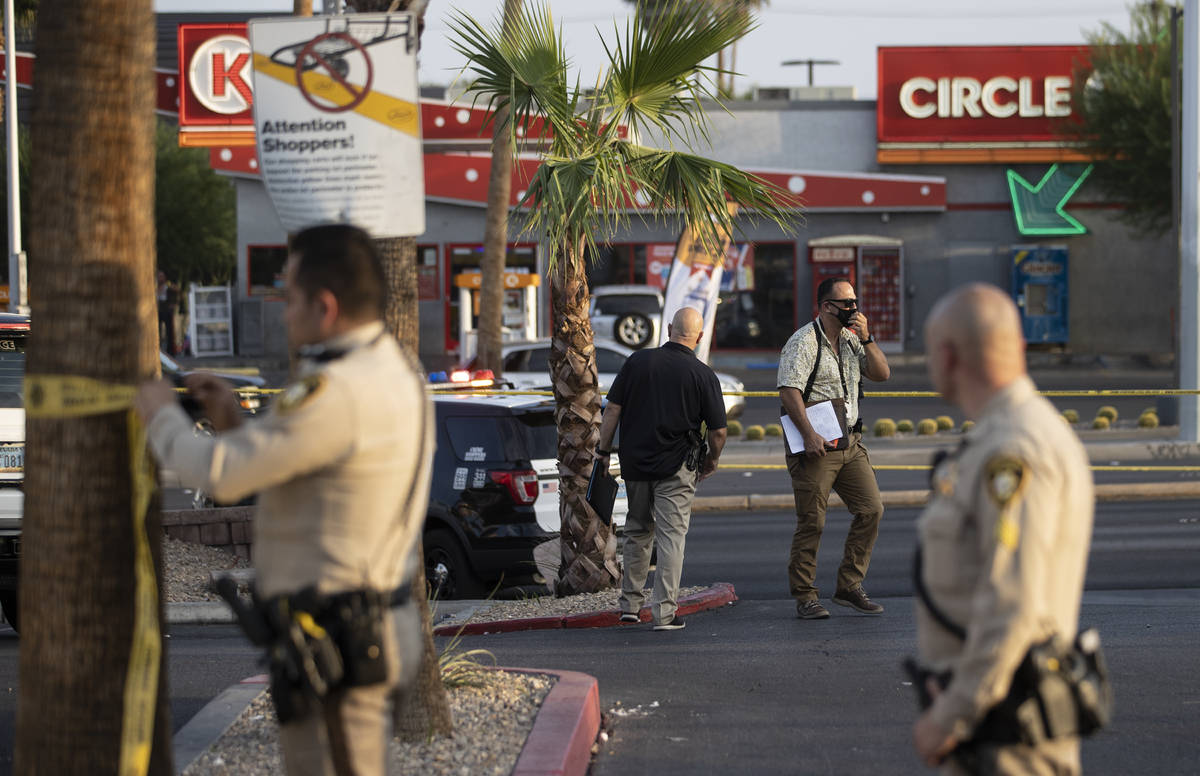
(17, 301)
(1189, 229)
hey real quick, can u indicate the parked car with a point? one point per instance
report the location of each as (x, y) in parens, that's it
(14, 333)
(527, 365)
(494, 494)
(629, 314)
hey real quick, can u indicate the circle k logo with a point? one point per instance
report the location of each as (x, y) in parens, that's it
(219, 74)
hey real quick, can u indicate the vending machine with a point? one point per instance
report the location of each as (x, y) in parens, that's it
(875, 267)
(1039, 287)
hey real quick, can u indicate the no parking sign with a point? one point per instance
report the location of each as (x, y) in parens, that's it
(339, 134)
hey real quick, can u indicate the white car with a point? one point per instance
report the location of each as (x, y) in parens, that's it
(629, 314)
(14, 333)
(527, 365)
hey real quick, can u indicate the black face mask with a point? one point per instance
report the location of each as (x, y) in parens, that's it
(844, 316)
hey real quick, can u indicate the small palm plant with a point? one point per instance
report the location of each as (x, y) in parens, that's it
(593, 173)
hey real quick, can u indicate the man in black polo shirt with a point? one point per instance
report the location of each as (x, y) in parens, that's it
(660, 398)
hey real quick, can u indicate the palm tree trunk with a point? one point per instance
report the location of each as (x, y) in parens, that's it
(401, 314)
(495, 232)
(422, 710)
(92, 241)
(589, 547)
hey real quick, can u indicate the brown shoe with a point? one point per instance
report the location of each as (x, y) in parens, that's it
(856, 598)
(811, 610)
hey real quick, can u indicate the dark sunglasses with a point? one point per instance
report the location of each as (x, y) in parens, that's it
(845, 304)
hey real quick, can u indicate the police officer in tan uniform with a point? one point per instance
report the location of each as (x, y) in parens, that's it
(1004, 538)
(341, 466)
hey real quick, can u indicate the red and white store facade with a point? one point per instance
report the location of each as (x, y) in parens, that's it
(905, 196)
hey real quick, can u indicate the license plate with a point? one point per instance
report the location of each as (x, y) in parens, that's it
(12, 458)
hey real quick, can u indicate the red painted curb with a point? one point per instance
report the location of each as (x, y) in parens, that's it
(566, 726)
(719, 594)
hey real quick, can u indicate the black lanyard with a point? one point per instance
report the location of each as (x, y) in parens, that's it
(838, 354)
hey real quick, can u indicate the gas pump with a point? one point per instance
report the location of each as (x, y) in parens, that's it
(518, 317)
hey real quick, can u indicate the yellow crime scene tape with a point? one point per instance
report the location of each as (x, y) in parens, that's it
(64, 396)
(909, 395)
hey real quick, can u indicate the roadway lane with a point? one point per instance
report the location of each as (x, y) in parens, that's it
(1135, 546)
(751, 689)
(733, 481)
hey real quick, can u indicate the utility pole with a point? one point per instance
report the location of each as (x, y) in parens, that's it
(1189, 229)
(810, 63)
(18, 294)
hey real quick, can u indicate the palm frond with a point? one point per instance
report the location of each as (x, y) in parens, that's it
(658, 75)
(698, 189)
(523, 69)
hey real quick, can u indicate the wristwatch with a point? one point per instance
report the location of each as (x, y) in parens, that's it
(603, 452)
(867, 341)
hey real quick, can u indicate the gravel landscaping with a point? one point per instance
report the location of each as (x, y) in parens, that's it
(492, 718)
(491, 722)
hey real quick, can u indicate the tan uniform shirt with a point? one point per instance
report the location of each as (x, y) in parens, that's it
(340, 463)
(800, 353)
(1005, 542)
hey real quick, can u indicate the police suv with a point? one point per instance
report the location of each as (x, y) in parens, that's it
(494, 495)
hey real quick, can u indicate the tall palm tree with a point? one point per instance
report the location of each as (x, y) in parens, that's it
(495, 234)
(92, 240)
(590, 174)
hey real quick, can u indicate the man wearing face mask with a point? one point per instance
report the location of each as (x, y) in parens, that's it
(826, 360)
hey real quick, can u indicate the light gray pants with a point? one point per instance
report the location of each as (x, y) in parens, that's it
(659, 511)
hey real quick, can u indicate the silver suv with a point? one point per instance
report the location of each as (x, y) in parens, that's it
(629, 314)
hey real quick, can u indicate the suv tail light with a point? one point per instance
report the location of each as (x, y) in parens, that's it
(522, 484)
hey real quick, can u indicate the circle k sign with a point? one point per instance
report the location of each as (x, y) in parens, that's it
(219, 74)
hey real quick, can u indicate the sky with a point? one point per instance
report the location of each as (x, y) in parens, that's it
(844, 30)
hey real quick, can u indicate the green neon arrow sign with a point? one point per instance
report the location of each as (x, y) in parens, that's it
(1039, 208)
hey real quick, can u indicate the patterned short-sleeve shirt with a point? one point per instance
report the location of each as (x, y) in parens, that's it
(800, 353)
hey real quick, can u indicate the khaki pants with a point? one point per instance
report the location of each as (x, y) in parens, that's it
(349, 736)
(659, 512)
(1050, 758)
(847, 472)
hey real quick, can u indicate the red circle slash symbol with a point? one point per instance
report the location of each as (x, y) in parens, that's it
(335, 66)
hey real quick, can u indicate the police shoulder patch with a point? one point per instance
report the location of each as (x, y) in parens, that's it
(1005, 476)
(300, 393)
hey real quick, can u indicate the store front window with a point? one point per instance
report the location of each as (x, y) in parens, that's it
(757, 307)
(264, 269)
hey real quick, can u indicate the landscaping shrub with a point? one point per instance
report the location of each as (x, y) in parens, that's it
(905, 426)
(1101, 422)
(1072, 416)
(1148, 420)
(967, 426)
(885, 427)
(774, 430)
(734, 428)
(944, 422)
(755, 432)
(1107, 411)
(927, 427)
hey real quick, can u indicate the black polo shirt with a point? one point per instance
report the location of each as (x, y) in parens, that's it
(663, 392)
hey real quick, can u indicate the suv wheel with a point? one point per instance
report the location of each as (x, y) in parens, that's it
(447, 571)
(8, 602)
(633, 330)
